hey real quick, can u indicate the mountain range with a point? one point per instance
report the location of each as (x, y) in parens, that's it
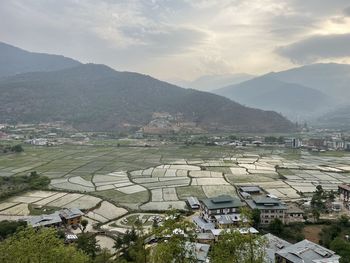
(14, 61)
(303, 93)
(40, 87)
(213, 82)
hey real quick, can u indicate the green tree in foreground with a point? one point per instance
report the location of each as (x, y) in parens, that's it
(176, 235)
(87, 243)
(276, 227)
(234, 247)
(41, 246)
(342, 248)
(8, 228)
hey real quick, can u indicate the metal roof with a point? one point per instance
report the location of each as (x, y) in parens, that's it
(273, 245)
(250, 189)
(44, 220)
(308, 252)
(228, 219)
(193, 201)
(264, 203)
(202, 224)
(222, 201)
(68, 213)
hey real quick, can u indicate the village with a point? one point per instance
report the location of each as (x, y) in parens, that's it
(214, 194)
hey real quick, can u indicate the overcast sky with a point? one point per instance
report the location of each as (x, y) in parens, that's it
(183, 39)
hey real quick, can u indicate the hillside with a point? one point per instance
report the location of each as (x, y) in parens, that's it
(332, 79)
(95, 97)
(14, 60)
(295, 101)
(213, 82)
(337, 118)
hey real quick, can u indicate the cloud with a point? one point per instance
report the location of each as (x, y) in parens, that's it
(177, 39)
(317, 47)
(346, 11)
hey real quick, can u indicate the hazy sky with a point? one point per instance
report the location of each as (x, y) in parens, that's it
(183, 39)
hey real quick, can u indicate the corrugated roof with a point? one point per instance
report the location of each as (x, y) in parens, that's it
(202, 224)
(308, 252)
(44, 220)
(69, 213)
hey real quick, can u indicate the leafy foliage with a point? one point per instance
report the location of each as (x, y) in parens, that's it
(11, 185)
(234, 247)
(42, 246)
(87, 243)
(8, 228)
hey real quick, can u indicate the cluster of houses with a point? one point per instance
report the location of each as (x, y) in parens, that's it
(67, 217)
(222, 212)
(319, 144)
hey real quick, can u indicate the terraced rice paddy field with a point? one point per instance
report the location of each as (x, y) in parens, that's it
(154, 178)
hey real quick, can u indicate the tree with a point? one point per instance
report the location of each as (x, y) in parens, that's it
(276, 226)
(316, 215)
(342, 248)
(131, 246)
(256, 217)
(7, 228)
(234, 247)
(17, 148)
(104, 256)
(41, 245)
(177, 236)
(84, 224)
(87, 243)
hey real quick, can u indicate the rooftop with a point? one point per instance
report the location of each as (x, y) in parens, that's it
(68, 213)
(250, 189)
(222, 201)
(193, 201)
(266, 203)
(308, 252)
(345, 187)
(228, 219)
(202, 224)
(44, 220)
(273, 245)
(200, 251)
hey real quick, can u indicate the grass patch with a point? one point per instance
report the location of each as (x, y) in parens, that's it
(187, 191)
(119, 197)
(35, 210)
(225, 170)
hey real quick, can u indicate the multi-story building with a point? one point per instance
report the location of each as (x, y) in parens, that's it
(71, 216)
(294, 214)
(224, 205)
(270, 208)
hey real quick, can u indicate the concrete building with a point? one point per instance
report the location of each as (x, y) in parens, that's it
(270, 208)
(306, 252)
(221, 205)
(293, 143)
(294, 214)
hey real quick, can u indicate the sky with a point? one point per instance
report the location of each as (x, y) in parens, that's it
(183, 39)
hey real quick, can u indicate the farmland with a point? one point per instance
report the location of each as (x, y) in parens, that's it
(154, 178)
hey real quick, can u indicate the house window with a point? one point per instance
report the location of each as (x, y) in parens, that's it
(218, 211)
